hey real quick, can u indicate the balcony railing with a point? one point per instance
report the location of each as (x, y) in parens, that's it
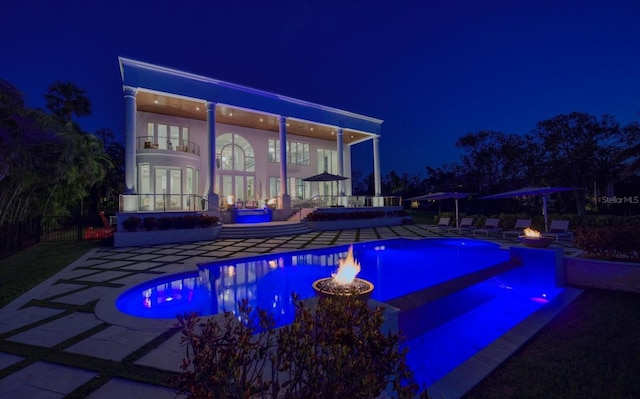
(350, 201)
(167, 144)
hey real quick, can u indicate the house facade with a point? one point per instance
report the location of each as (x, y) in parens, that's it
(197, 143)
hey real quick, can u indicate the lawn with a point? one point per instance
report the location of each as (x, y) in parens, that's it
(591, 350)
(26, 269)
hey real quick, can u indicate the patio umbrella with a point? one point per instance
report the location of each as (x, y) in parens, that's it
(544, 191)
(325, 176)
(442, 196)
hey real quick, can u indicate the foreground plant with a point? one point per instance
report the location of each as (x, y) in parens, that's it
(333, 350)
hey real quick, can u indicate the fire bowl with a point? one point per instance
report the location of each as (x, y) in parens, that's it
(327, 287)
(532, 242)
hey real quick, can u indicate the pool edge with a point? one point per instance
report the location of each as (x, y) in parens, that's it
(468, 374)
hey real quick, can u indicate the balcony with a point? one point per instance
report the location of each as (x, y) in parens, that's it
(144, 143)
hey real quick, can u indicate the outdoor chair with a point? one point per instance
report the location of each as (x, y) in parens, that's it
(558, 229)
(518, 229)
(443, 224)
(466, 224)
(490, 227)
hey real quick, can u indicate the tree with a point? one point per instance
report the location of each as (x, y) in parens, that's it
(66, 99)
(496, 161)
(105, 195)
(446, 178)
(48, 164)
(405, 185)
(579, 148)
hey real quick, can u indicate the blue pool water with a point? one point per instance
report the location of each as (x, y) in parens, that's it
(395, 267)
(440, 334)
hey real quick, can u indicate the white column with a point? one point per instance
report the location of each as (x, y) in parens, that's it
(340, 144)
(285, 199)
(376, 166)
(130, 140)
(212, 196)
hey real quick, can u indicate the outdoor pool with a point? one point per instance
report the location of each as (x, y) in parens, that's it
(396, 268)
(472, 307)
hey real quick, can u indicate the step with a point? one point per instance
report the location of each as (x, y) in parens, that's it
(262, 230)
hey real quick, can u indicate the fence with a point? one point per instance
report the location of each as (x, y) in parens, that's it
(18, 236)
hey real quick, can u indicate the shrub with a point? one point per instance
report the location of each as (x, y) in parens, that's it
(167, 223)
(333, 216)
(150, 223)
(170, 222)
(336, 349)
(207, 221)
(131, 223)
(609, 242)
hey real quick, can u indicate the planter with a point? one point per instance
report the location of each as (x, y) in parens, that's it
(154, 237)
(354, 224)
(363, 289)
(531, 242)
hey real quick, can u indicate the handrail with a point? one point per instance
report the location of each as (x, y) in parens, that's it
(167, 144)
(309, 202)
(168, 202)
(172, 202)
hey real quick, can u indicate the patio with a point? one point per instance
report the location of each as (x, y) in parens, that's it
(53, 329)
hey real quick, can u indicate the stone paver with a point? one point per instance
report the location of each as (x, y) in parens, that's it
(114, 343)
(43, 380)
(119, 388)
(7, 359)
(57, 331)
(26, 316)
(82, 297)
(167, 356)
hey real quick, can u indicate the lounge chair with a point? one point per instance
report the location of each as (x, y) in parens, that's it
(518, 229)
(558, 229)
(466, 224)
(443, 224)
(490, 227)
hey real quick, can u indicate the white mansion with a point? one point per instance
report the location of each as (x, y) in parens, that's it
(194, 143)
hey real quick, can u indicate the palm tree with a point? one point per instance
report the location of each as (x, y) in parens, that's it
(66, 99)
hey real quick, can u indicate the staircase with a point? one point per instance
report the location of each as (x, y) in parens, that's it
(263, 230)
(300, 214)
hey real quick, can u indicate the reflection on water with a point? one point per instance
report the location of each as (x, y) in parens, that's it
(395, 267)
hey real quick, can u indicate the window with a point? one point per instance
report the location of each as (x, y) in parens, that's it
(167, 136)
(297, 188)
(234, 153)
(297, 153)
(274, 187)
(327, 161)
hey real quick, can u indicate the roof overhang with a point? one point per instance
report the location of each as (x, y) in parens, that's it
(169, 91)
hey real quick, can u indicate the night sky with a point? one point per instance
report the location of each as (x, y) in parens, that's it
(432, 70)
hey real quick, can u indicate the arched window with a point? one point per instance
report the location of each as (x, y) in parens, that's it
(234, 153)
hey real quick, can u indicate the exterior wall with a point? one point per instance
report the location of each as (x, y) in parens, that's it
(264, 169)
(608, 275)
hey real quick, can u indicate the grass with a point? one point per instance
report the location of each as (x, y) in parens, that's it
(26, 269)
(590, 350)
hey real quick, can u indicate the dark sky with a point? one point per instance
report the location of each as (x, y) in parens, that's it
(432, 70)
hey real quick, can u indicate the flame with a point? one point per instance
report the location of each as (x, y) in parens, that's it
(230, 199)
(530, 233)
(348, 268)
